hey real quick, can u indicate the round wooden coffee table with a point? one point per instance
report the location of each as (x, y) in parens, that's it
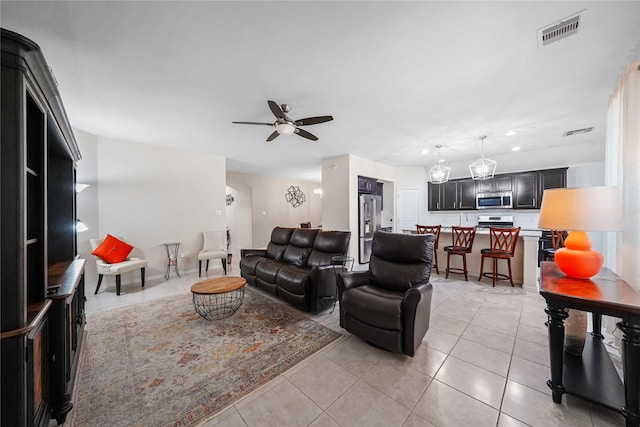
(218, 298)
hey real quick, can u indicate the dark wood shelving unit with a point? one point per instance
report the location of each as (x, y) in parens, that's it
(41, 331)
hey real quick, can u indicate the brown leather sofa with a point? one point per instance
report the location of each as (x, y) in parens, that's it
(390, 305)
(296, 266)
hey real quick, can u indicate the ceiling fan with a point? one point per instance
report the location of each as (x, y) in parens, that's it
(286, 126)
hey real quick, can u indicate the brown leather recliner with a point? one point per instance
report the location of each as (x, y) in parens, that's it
(390, 305)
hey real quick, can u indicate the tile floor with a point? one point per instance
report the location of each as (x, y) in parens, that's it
(483, 362)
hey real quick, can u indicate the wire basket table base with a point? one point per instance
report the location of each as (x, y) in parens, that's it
(218, 298)
(218, 306)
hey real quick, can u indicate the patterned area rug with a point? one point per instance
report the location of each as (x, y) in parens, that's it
(161, 364)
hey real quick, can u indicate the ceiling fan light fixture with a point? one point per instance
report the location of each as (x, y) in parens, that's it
(483, 168)
(285, 128)
(439, 174)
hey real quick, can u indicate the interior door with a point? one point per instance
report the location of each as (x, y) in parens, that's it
(408, 209)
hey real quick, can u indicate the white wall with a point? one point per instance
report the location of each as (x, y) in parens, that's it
(270, 208)
(337, 187)
(149, 195)
(340, 174)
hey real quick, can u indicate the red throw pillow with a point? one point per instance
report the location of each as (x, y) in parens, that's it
(113, 250)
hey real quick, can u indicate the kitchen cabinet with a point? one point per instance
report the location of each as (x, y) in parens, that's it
(467, 194)
(442, 197)
(449, 196)
(551, 178)
(495, 184)
(433, 196)
(525, 192)
(452, 195)
(38, 228)
(380, 192)
(527, 188)
(367, 185)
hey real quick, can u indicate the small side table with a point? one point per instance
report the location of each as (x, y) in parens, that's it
(593, 376)
(172, 249)
(341, 264)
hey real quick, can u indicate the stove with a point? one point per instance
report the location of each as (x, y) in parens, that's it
(486, 221)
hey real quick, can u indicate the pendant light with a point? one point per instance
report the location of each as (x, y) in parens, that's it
(439, 174)
(483, 168)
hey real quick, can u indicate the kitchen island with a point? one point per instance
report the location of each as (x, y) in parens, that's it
(524, 264)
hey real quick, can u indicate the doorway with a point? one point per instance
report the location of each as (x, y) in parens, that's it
(408, 209)
(239, 219)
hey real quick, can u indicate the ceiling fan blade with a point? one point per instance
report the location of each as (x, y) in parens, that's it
(276, 110)
(313, 120)
(253, 123)
(273, 136)
(303, 133)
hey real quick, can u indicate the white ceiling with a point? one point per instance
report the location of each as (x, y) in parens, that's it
(398, 77)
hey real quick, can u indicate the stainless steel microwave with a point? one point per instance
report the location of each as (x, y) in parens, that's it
(501, 200)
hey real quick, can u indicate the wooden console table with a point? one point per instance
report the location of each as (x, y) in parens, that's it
(593, 377)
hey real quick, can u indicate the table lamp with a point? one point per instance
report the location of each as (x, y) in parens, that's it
(579, 210)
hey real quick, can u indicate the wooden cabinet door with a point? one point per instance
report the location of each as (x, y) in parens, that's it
(503, 183)
(467, 194)
(497, 183)
(484, 185)
(555, 178)
(449, 196)
(525, 195)
(434, 196)
(38, 376)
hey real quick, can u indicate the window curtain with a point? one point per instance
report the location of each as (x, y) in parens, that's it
(622, 160)
(622, 169)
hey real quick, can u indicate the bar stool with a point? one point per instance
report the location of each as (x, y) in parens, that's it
(435, 230)
(557, 240)
(503, 245)
(462, 244)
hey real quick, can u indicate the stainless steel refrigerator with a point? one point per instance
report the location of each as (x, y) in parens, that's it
(369, 217)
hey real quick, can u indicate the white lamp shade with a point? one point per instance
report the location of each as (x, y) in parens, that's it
(583, 209)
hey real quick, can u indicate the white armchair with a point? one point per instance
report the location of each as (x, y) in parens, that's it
(215, 247)
(116, 269)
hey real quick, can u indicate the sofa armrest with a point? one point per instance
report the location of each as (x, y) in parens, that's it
(416, 313)
(253, 252)
(323, 279)
(352, 279)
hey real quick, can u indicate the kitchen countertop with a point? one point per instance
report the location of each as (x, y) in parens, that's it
(524, 232)
(525, 262)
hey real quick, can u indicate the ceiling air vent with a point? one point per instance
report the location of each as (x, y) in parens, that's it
(558, 31)
(577, 131)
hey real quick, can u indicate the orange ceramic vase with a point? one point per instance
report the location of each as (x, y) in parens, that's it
(577, 259)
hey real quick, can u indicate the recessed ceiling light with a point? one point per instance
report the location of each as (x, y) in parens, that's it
(511, 133)
(425, 151)
(441, 160)
(516, 148)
